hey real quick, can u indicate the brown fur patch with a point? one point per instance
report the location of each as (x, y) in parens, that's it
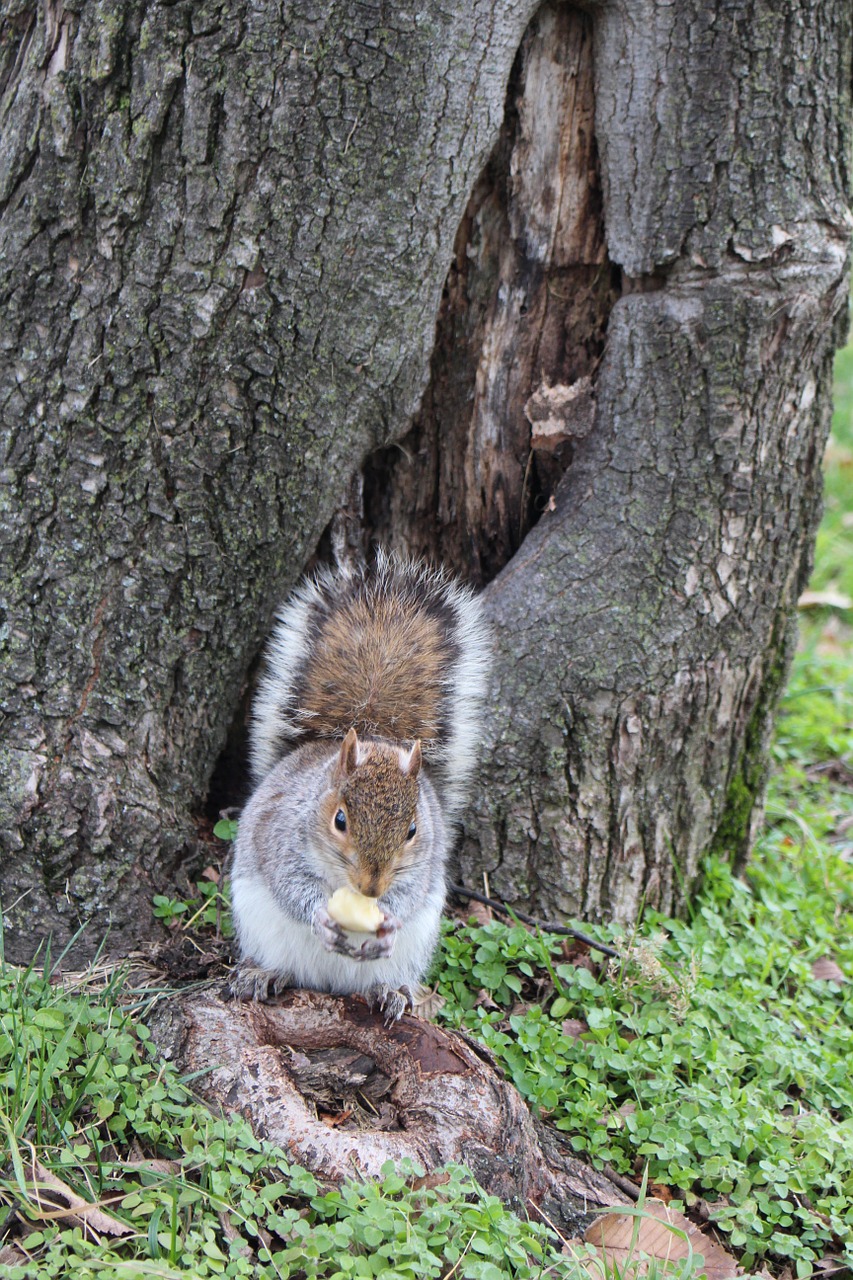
(380, 802)
(378, 666)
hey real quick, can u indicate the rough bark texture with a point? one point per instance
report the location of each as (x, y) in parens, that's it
(645, 625)
(224, 233)
(634, 700)
(326, 1080)
(522, 321)
(224, 230)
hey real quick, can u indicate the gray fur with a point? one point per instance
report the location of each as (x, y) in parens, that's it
(286, 861)
(283, 876)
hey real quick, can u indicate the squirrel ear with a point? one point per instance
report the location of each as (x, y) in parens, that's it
(411, 763)
(348, 758)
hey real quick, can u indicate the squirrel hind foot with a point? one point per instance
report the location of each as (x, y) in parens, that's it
(250, 982)
(393, 1004)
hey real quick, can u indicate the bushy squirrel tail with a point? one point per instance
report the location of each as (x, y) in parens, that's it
(398, 651)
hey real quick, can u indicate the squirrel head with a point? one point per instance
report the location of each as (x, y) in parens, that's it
(371, 811)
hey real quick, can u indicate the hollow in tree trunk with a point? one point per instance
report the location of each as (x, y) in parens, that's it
(558, 288)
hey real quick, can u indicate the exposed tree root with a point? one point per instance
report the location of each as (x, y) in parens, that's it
(323, 1078)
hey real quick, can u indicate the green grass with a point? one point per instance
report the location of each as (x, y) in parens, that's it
(715, 1060)
(714, 1056)
(199, 1195)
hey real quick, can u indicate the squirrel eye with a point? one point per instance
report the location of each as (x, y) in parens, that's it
(341, 820)
(411, 833)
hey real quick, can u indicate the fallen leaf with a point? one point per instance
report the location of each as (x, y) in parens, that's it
(830, 1263)
(480, 912)
(826, 970)
(574, 1028)
(428, 1003)
(483, 1000)
(48, 1190)
(332, 1120)
(824, 600)
(232, 1235)
(11, 1256)
(622, 1236)
(429, 1181)
(166, 1167)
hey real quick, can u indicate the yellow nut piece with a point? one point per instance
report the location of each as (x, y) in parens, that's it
(353, 911)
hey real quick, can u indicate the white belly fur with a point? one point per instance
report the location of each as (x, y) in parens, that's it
(280, 944)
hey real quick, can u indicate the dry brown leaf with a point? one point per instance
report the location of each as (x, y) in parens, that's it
(428, 1003)
(12, 1256)
(826, 970)
(660, 1191)
(574, 1028)
(483, 999)
(232, 1235)
(830, 1264)
(429, 1181)
(824, 600)
(480, 912)
(166, 1167)
(49, 1193)
(612, 1235)
(333, 1119)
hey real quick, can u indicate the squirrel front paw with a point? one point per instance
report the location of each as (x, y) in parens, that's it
(378, 946)
(249, 982)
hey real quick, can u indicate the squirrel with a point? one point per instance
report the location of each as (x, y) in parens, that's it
(363, 743)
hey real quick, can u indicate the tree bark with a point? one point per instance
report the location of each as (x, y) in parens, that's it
(225, 232)
(325, 1079)
(667, 353)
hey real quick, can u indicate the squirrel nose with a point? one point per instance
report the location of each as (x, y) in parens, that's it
(370, 886)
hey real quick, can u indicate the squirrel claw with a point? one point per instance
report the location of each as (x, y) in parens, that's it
(380, 946)
(248, 982)
(393, 1004)
(332, 936)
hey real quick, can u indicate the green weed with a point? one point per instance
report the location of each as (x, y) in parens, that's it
(713, 1056)
(207, 912)
(197, 1195)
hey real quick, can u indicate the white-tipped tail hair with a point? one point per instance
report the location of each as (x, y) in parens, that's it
(399, 650)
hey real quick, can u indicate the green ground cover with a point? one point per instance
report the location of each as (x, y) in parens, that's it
(717, 1059)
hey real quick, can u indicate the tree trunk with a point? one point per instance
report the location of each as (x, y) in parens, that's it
(650, 374)
(224, 234)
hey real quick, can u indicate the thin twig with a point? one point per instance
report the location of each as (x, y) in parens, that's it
(547, 926)
(624, 1184)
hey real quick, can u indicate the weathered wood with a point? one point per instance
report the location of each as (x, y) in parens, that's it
(628, 731)
(224, 233)
(323, 1078)
(524, 310)
(644, 626)
(224, 230)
